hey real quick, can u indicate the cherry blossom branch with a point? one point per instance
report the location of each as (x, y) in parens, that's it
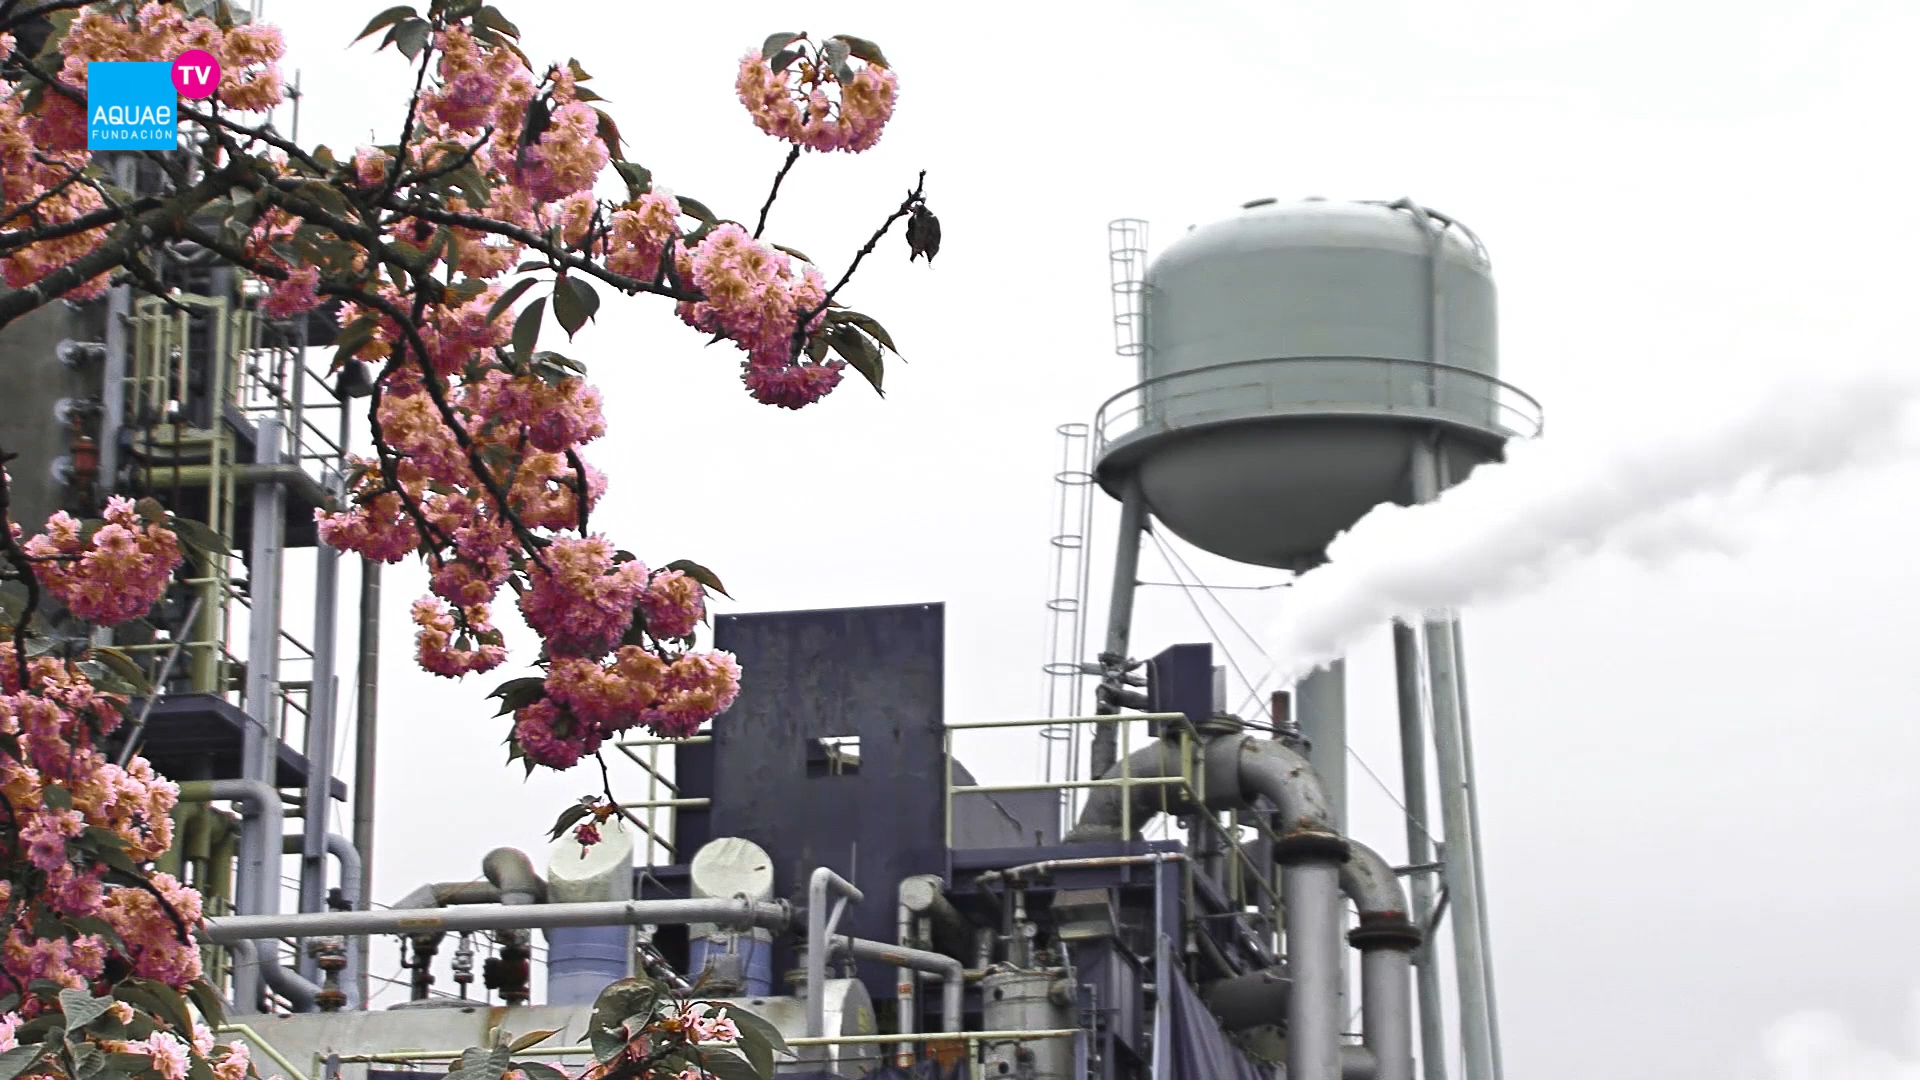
(527, 238)
(23, 566)
(914, 198)
(766, 208)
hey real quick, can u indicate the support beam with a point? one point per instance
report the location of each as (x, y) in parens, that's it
(259, 887)
(1420, 849)
(1113, 658)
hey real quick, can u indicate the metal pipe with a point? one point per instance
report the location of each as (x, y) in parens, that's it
(1386, 938)
(288, 984)
(342, 851)
(952, 972)
(1113, 659)
(1101, 818)
(819, 925)
(1473, 830)
(260, 806)
(905, 980)
(365, 743)
(736, 912)
(287, 473)
(451, 893)
(1420, 852)
(512, 872)
(259, 885)
(321, 711)
(1463, 886)
(113, 384)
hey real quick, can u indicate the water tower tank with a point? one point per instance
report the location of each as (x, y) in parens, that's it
(1294, 353)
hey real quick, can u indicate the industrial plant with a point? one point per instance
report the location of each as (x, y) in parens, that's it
(822, 858)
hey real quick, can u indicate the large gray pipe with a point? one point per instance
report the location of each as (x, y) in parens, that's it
(952, 972)
(1386, 938)
(259, 806)
(774, 915)
(512, 872)
(1239, 771)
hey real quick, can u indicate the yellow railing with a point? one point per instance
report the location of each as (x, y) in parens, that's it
(657, 783)
(1191, 783)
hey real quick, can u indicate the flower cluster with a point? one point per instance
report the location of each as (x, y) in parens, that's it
(112, 575)
(801, 111)
(754, 298)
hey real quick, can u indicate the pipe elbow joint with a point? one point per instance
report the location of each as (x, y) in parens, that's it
(510, 871)
(1311, 847)
(1380, 932)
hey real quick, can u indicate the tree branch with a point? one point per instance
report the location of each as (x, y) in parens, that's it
(766, 208)
(23, 566)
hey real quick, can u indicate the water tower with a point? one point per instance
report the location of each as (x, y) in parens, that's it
(1299, 365)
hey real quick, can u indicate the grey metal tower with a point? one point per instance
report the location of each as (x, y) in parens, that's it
(1303, 364)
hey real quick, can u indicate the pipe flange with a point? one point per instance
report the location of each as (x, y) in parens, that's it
(1220, 724)
(1311, 846)
(1378, 932)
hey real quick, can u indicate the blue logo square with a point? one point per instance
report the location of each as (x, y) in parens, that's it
(132, 106)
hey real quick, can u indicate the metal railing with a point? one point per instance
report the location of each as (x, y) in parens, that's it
(1299, 385)
(658, 783)
(1190, 783)
(971, 1039)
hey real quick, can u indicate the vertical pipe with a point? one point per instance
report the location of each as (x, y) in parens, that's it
(321, 713)
(1126, 579)
(1413, 761)
(260, 853)
(1463, 887)
(1473, 829)
(1385, 1006)
(365, 739)
(1314, 1018)
(1320, 703)
(113, 386)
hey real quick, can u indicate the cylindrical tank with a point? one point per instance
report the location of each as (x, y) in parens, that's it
(727, 867)
(1294, 353)
(1027, 1001)
(581, 961)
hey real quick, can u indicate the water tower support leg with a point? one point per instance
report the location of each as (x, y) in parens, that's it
(1413, 764)
(1113, 659)
(1456, 815)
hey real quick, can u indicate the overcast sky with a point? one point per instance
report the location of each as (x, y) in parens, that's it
(1696, 792)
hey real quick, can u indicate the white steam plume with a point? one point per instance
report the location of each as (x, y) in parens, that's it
(1650, 495)
(1816, 1045)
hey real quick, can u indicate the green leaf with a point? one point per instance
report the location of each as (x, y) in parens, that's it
(609, 132)
(617, 1002)
(579, 73)
(776, 42)
(863, 49)
(490, 18)
(784, 60)
(18, 1060)
(871, 326)
(156, 999)
(56, 797)
(860, 352)
(728, 1065)
(581, 93)
(82, 1008)
(533, 1038)
(569, 817)
(354, 335)
(411, 36)
(801, 255)
(385, 19)
(700, 574)
(756, 1031)
(197, 536)
(479, 1064)
(537, 1071)
(207, 1000)
(123, 666)
(638, 177)
(507, 298)
(574, 302)
(131, 1064)
(526, 330)
(695, 208)
(517, 694)
(834, 54)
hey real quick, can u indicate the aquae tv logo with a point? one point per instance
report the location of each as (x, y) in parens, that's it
(133, 105)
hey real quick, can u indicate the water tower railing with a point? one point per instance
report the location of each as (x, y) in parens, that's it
(1318, 385)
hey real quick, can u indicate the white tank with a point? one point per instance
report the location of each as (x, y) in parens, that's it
(724, 868)
(583, 960)
(1293, 354)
